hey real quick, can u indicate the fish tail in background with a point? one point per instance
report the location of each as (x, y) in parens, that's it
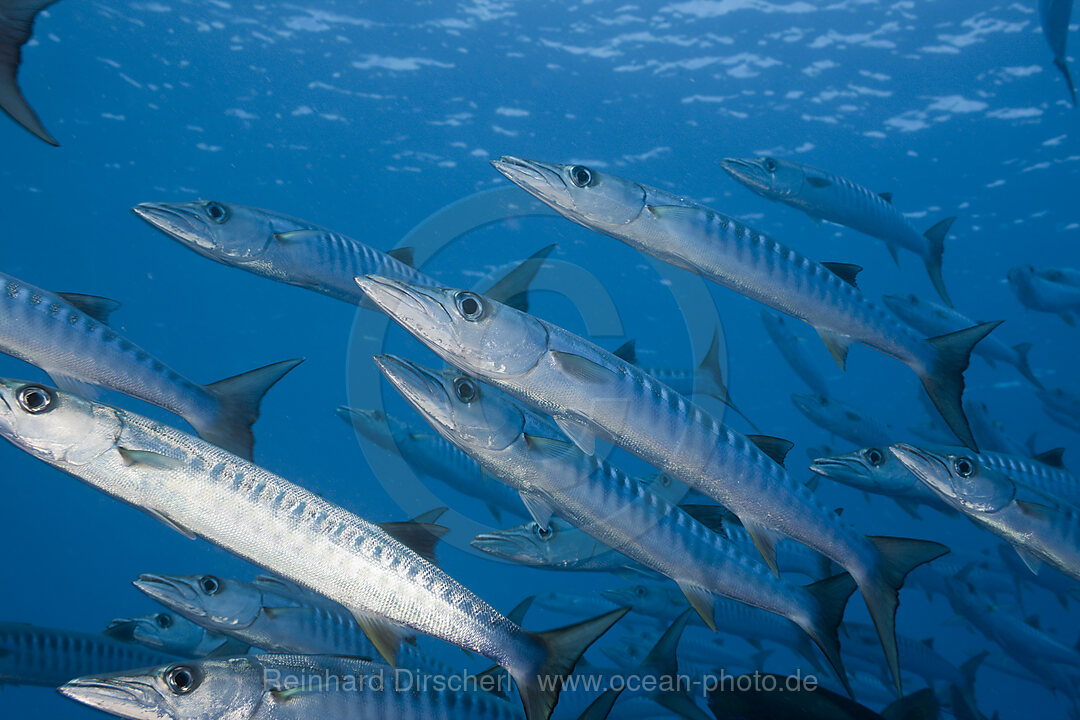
(881, 590)
(1022, 365)
(16, 26)
(540, 687)
(239, 398)
(710, 378)
(831, 596)
(944, 381)
(513, 288)
(935, 237)
(963, 697)
(1063, 66)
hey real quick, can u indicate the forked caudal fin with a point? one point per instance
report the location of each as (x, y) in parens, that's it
(935, 238)
(831, 596)
(238, 407)
(1022, 364)
(1061, 65)
(881, 590)
(563, 647)
(709, 379)
(16, 26)
(944, 381)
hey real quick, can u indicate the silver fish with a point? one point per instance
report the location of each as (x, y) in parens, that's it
(49, 657)
(843, 420)
(429, 454)
(827, 196)
(932, 319)
(67, 337)
(297, 252)
(176, 635)
(591, 392)
(554, 477)
(1054, 16)
(1049, 291)
(728, 252)
(16, 26)
(201, 490)
(285, 687)
(987, 496)
(793, 348)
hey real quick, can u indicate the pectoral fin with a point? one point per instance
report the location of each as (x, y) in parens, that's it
(148, 458)
(579, 432)
(1033, 563)
(178, 528)
(538, 508)
(817, 182)
(838, 346)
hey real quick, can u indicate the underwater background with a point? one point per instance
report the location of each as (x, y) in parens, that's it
(370, 117)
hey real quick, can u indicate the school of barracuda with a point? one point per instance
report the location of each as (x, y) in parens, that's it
(725, 553)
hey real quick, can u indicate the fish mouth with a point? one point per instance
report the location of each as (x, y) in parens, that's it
(832, 467)
(506, 546)
(173, 594)
(742, 169)
(405, 303)
(421, 387)
(176, 221)
(122, 696)
(931, 470)
(540, 179)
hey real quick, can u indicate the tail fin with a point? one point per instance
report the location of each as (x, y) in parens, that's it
(944, 382)
(963, 697)
(513, 288)
(899, 556)
(935, 237)
(831, 596)
(710, 378)
(1022, 365)
(564, 646)
(1061, 65)
(600, 708)
(921, 705)
(238, 407)
(16, 26)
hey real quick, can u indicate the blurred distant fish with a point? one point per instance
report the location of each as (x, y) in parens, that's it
(300, 253)
(987, 496)
(67, 336)
(1052, 290)
(1054, 16)
(49, 657)
(842, 420)
(793, 348)
(755, 697)
(16, 26)
(734, 255)
(559, 546)
(176, 635)
(874, 470)
(931, 319)
(283, 687)
(1048, 578)
(826, 196)
(990, 432)
(1062, 406)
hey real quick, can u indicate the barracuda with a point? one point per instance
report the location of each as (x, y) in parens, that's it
(793, 349)
(590, 393)
(176, 635)
(554, 477)
(843, 420)
(296, 252)
(67, 336)
(203, 491)
(987, 496)
(728, 252)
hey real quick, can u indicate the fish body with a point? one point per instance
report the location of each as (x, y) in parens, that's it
(202, 490)
(16, 26)
(987, 496)
(1050, 291)
(557, 478)
(591, 392)
(824, 195)
(1054, 16)
(793, 348)
(283, 687)
(560, 546)
(843, 420)
(67, 337)
(49, 657)
(728, 252)
(932, 319)
(1062, 406)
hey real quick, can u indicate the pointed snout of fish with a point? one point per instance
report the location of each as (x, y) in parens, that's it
(167, 591)
(497, 544)
(921, 463)
(123, 697)
(395, 298)
(826, 466)
(526, 173)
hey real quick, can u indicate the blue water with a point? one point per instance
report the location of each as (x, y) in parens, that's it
(369, 118)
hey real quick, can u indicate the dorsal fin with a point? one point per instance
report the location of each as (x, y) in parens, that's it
(774, 447)
(402, 255)
(845, 271)
(418, 537)
(886, 196)
(627, 352)
(1055, 458)
(713, 517)
(96, 307)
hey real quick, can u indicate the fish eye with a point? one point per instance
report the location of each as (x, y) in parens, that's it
(163, 620)
(469, 305)
(35, 399)
(217, 212)
(964, 467)
(466, 390)
(182, 679)
(665, 481)
(209, 584)
(639, 591)
(543, 533)
(874, 456)
(581, 176)
(770, 165)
